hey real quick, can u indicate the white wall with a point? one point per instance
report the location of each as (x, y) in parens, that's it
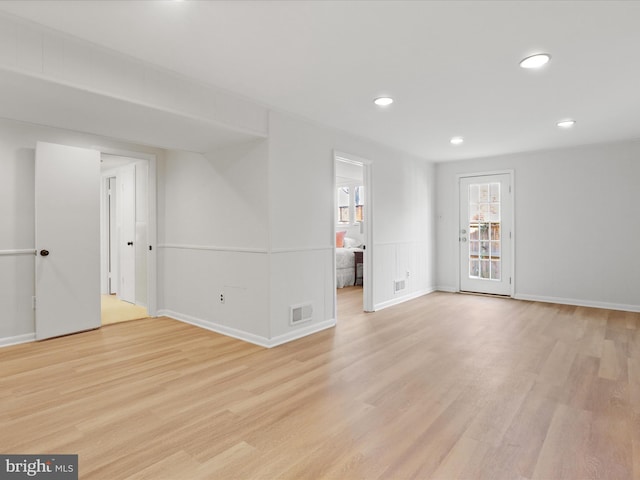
(576, 223)
(17, 211)
(213, 239)
(301, 165)
(225, 222)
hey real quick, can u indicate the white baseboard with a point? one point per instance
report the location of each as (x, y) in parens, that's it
(18, 339)
(302, 332)
(578, 303)
(402, 299)
(246, 336)
(446, 288)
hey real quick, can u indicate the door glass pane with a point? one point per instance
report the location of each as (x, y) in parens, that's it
(484, 231)
(484, 269)
(474, 270)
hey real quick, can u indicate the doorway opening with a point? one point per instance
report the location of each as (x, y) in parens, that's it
(352, 228)
(124, 238)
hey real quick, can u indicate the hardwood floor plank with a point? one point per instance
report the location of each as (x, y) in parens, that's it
(445, 386)
(610, 368)
(564, 452)
(634, 383)
(558, 365)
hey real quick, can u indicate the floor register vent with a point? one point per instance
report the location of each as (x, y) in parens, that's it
(300, 313)
(399, 285)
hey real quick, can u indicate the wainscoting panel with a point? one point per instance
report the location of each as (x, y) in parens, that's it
(301, 277)
(16, 293)
(195, 278)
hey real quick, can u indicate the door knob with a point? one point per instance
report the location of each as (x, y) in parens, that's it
(129, 243)
(463, 239)
(44, 253)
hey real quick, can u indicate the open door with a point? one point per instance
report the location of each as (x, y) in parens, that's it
(67, 191)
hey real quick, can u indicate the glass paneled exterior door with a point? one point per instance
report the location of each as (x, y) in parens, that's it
(485, 234)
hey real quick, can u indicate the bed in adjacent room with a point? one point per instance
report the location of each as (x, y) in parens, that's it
(348, 272)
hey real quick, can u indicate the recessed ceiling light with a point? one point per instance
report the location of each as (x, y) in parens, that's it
(566, 123)
(456, 140)
(383, 101)
(535, 61)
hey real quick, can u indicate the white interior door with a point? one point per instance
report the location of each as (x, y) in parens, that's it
(67, 191)
(486, 206)
(127, 251)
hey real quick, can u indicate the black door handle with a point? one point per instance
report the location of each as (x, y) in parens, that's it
(129, 243)
(44, 253)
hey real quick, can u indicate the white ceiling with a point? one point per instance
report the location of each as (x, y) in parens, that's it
(452, 67)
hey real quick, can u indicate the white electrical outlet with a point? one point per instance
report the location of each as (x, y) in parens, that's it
(221, 298)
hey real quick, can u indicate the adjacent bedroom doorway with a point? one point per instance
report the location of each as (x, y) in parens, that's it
(352, 226)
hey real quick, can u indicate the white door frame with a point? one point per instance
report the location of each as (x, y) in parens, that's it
(456, 235)
(152, 238)
(367, 274)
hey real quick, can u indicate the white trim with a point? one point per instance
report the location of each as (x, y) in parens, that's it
(302, 332)
(214, 248)
(301, 249)
(404, 298)
(446, 288)
(22, 251)
(404, 242)
(216, 327)
(18, 339)
(578, 303)
(245, 336)
(116, 152)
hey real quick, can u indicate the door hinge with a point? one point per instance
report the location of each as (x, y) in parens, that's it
(509, 235)
(33, 302)
(509, 188)
(109, 192)
(509, 280)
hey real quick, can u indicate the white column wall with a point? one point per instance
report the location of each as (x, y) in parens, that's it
(213, 240)
(302, 231)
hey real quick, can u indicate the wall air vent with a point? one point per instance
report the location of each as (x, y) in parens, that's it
(399, 285)
(300, 313)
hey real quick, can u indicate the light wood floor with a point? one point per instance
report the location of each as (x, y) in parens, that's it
(114, 310)
(446, 386)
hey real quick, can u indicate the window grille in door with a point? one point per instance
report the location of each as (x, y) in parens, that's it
(484, 231)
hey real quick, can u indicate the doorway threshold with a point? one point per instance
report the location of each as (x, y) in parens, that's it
(482, 294)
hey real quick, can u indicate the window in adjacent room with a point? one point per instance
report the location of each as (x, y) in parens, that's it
(343, 205)
(359, 204)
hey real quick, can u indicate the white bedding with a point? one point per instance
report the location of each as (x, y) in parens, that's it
(345, 266)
